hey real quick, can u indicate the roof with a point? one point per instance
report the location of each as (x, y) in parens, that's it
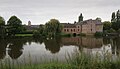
(32, 27)
(68, 25)
(97, 22)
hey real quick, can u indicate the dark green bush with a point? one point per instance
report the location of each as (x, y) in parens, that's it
(98, 34)
(36, 34)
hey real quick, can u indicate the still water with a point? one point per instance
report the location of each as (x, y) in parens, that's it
(39, 50)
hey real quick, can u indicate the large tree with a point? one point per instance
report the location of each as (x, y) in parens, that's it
(14, 25)
(2, 27)
(80, 18)
(107, 25)
(53, 27)
(115, 20)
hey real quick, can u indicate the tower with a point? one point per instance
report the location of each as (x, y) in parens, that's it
(29, 23)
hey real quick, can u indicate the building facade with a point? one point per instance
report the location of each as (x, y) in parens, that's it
(88, 27)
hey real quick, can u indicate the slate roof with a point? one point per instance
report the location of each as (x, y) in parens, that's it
(68, 25)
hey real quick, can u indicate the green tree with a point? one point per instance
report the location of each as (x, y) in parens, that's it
(53, 27)
(113, 17)
(2, 27)
(80, 18)
(107, 25)
(115, 20)
(14, 25)
(99, 19)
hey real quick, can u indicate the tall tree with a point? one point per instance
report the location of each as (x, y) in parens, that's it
(2, 27)
(14, 25)
(80, 18)
(116, 20)
(113, 17)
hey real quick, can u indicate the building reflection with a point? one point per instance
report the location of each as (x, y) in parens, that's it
(87, 42)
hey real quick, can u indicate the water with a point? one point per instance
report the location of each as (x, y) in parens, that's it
(40, 50)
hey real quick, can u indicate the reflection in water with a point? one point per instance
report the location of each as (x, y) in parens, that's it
(2, 49)
(88, 45)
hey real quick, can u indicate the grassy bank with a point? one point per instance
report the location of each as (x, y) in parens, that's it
(24, 35)
(77, 61)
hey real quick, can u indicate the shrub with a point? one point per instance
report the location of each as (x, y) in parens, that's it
(98, 34)
(111, 31)
(36, 34)
(66, 35)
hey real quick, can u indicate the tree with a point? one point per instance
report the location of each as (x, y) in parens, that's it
(113, 17)
(53, 27)
(99, 19)
(14, 25)
(115, 20)
(107, 25)
(80, 18)
(2, 27)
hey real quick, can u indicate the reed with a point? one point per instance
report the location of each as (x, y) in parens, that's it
(76, 61)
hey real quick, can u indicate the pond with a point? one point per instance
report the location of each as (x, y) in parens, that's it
(41, 50)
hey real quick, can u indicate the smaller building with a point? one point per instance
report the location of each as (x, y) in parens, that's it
(31, 27)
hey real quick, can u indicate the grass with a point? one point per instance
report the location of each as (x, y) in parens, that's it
(24, 35)
(76, 61)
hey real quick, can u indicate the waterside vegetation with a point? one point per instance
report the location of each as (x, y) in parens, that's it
(79, 61)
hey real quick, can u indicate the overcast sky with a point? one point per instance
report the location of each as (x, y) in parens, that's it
(41, 11)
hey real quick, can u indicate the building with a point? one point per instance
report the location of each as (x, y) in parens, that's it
(88, 27)
(31, 27)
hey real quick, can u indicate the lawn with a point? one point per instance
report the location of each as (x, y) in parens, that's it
(24, 35)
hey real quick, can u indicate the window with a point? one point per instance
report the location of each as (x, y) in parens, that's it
(74, 30)
(71, 30)
(78, 26)
(78, 30)
(65, 30)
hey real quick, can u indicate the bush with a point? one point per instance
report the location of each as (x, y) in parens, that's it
(98, 34)
(36, 34)
(66, 35)
(111, 31)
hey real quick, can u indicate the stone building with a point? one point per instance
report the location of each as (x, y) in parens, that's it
(88, 27)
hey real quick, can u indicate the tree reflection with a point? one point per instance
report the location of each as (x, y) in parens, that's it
(2, 49)
(53, 45)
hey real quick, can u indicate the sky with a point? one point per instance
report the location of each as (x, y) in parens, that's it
(41, 11)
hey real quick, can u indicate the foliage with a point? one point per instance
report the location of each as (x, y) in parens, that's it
(99, 19)
(107, 25)
(2, 27)
(14, 25)
(36, 34)
(111, 31)
(98, 34)
(77, 61)
(66, 35)
(115, 20)
(53, 27)
(80, 18)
